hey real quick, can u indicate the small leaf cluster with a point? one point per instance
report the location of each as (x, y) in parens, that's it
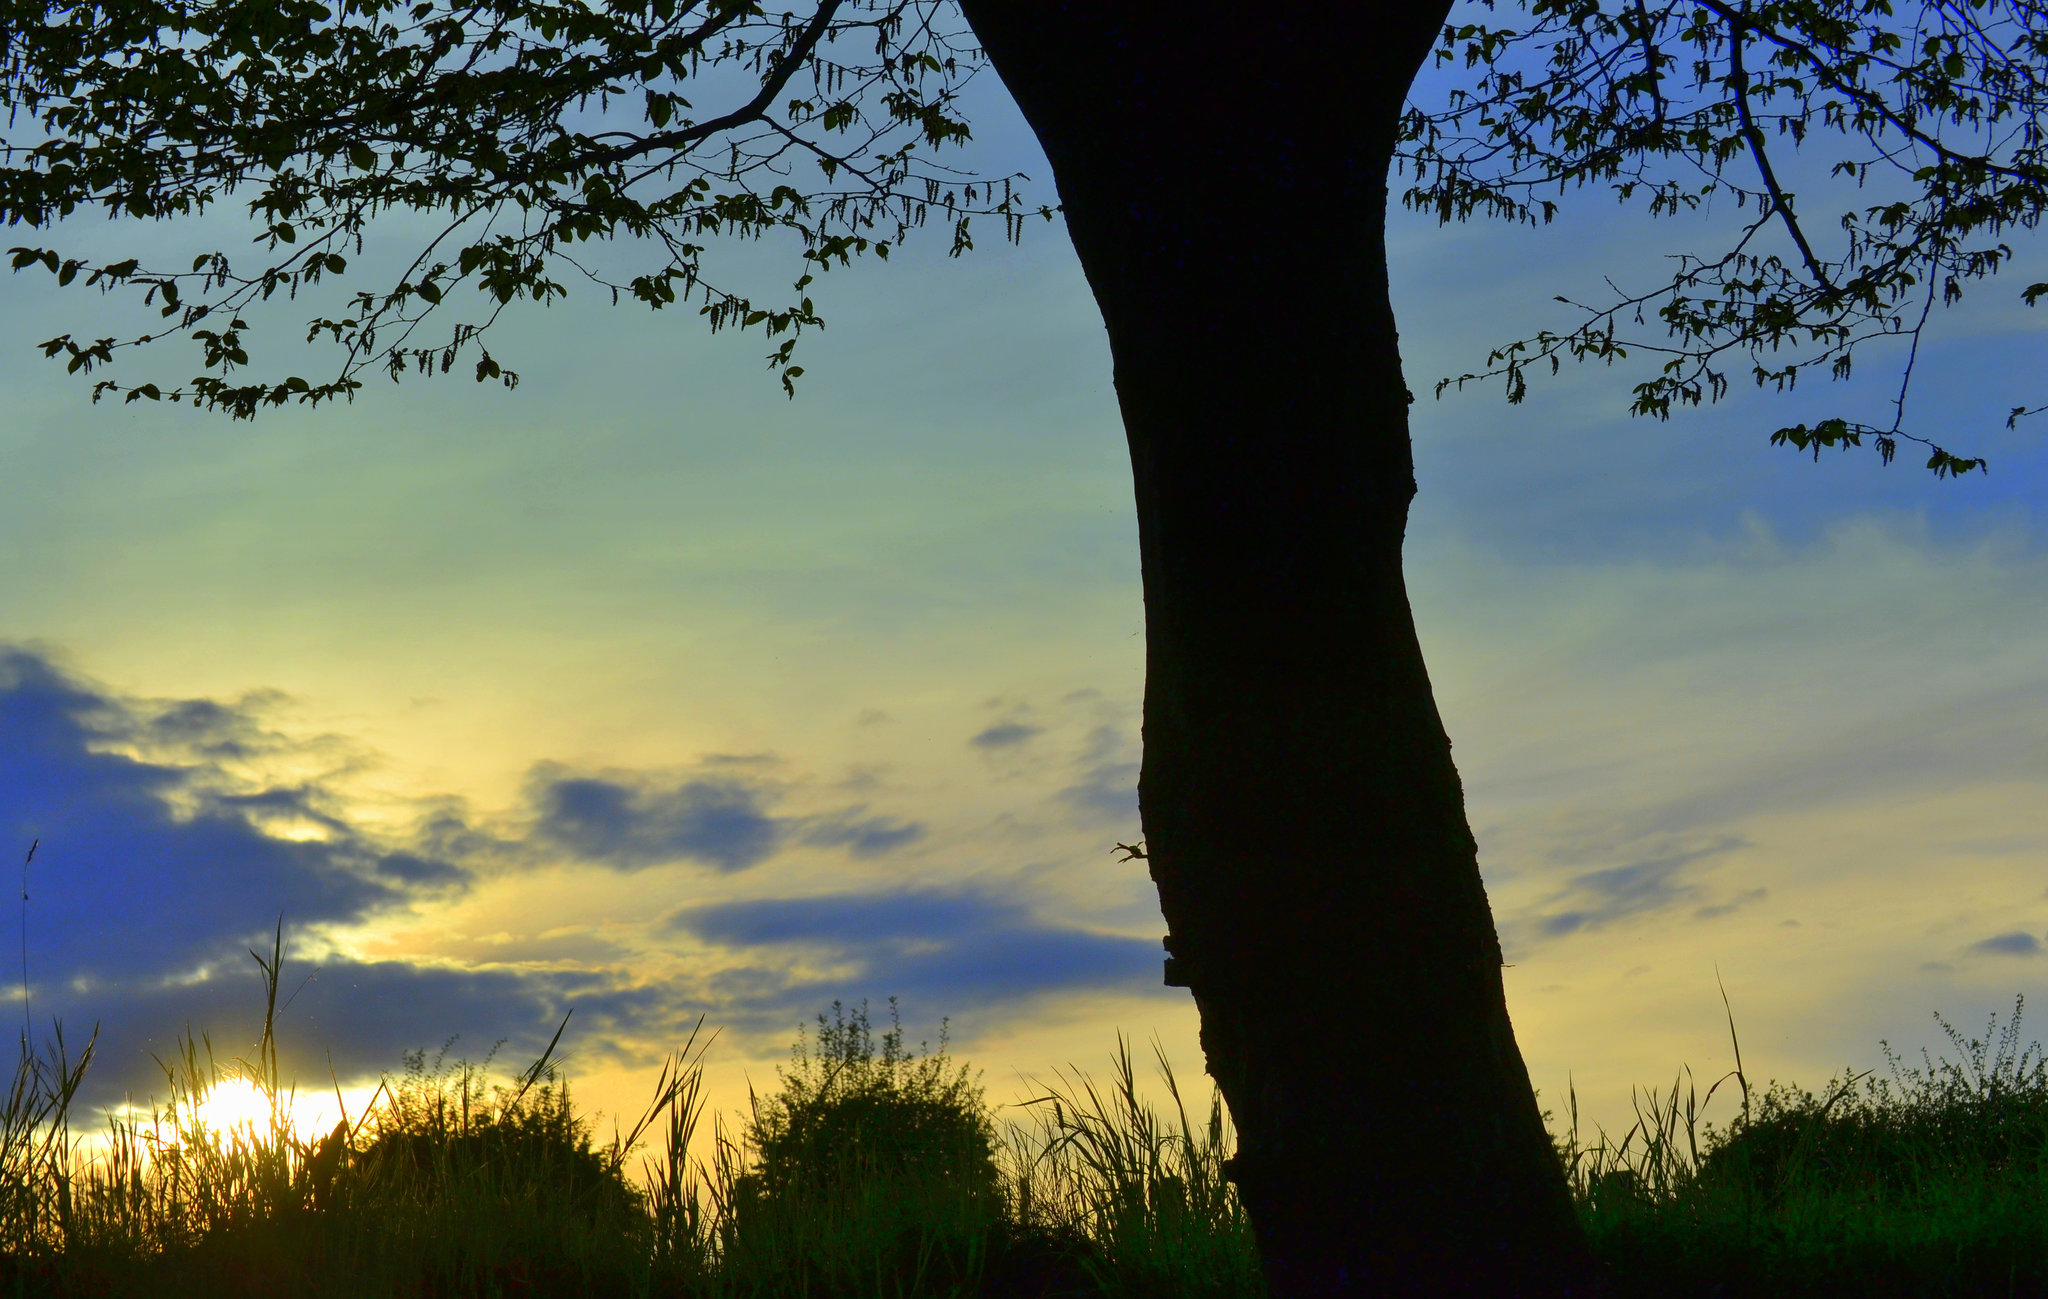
(523, 128)
(1674, 104)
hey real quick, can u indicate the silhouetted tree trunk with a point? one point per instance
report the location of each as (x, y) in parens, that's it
(1224, 175)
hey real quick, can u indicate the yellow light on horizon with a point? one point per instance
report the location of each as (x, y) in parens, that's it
(233, 1105)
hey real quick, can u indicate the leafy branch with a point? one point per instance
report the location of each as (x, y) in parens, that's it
(1945, 105)
(527, 126)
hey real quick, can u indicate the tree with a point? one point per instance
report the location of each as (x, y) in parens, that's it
(1224, 173)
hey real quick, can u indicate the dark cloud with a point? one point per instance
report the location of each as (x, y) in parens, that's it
(629, 822)
(2016, 943)
(719, 823)
(1004, 735)
(412, 869)
(156, 870)
(958, 952)
(146, 864)
(208, 727)
(163, 859)
(359, 1019)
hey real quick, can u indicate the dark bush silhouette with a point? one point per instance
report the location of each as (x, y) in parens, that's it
(847, 1119)
(443, 1128)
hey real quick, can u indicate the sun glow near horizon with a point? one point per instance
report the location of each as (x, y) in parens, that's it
(231, 1111)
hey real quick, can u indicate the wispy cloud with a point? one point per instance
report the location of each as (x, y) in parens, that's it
(959, 948)
(861, 835)
(1600, 897)
(1105, 788)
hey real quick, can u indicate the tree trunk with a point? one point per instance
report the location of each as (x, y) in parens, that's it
(1224, 175)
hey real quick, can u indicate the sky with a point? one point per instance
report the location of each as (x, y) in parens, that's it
(646, 694)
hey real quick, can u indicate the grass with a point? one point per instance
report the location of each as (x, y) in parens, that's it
(886, 1176)
(866, 1177)
(1928, 1184)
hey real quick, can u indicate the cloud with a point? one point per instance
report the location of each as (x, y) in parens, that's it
(146, 863)
(360, 1018)
(1734, 904)
(412, 869)
(2016, 943)
(848, 919)
(1106, 788)
(1004, 735)
(158, 864)
(872, 836)
(953, 949)
(166, 853)
(1650, 884)
(719, 823)
(630, 822)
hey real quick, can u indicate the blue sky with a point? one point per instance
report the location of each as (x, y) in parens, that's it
(645, 691)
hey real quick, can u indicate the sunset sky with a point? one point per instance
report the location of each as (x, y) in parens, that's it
(644, 691)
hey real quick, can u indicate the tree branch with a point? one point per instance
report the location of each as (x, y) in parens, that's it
(1739, 79)
(753, 110)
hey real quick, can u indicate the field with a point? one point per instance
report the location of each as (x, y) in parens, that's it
(881, 1175)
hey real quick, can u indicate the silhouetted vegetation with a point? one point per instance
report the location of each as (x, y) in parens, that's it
(883, 1175)
(1932, 1187)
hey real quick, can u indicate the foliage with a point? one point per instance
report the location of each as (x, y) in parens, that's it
(522, 128)
(1984, 1123)
(1155, 1197)
(445, 1126)
(1938, 108)
(847, 1117)
(1932, 1189)
(36, 1145)
(526, 128)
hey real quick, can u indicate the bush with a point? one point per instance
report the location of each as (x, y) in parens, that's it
(444, 1133)
(846, 1121)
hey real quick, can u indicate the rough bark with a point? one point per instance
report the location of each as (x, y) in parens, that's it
(1224, 170)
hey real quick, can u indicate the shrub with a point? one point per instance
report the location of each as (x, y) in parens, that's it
(443, 1131)
(846, 1120)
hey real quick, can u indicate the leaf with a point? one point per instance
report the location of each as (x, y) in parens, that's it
(430, 291)
(362, 157)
